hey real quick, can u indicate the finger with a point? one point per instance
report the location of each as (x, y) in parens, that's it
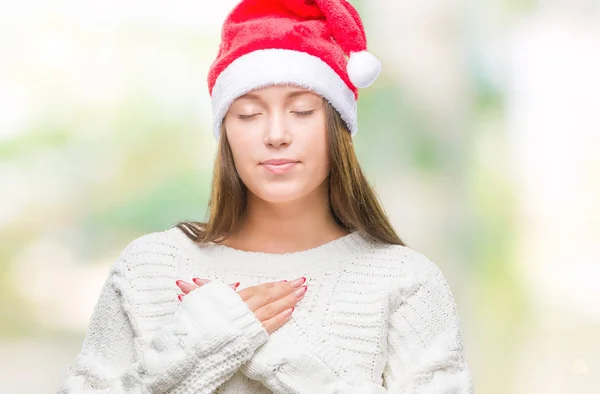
(274, 308)
(277, 321)
(257, 289)
(185, 287)
(268, 296)
(200, 281)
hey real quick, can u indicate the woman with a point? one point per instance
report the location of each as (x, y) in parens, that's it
(297, 283)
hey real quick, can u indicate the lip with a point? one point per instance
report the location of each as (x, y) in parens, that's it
(279, 166)
(278, 162)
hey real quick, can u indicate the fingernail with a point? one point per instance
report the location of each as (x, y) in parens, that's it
(180, 296)
(298, 282)
(199, 281)
(177, 282)
(235, 285)
(300, 292)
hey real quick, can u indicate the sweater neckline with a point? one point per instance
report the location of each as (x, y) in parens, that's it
(272, 263)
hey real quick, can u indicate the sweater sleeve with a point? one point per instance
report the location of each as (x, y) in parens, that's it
(425, 351)
(299, 358)
(211, 334)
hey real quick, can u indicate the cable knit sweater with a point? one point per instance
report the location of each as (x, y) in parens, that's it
(375, 319)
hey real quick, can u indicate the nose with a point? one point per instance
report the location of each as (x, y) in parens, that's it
(276, 133)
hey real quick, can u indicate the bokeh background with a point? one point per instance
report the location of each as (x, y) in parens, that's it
(481, 137)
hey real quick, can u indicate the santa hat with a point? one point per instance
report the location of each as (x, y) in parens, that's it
(316, 44)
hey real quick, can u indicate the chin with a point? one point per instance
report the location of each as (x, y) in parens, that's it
(280, 193)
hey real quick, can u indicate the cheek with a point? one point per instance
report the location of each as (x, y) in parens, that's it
(241, 149)
(317, 155)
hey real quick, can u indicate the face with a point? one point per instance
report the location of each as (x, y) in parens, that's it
(278, 139)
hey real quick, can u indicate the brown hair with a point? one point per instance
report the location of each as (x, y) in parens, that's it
(353, 202)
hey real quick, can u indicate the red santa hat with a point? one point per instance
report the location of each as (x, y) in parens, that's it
(316, 44)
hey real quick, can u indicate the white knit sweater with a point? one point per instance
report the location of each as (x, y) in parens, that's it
(375, 319)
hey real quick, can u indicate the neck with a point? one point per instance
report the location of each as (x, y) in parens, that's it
(287, 227)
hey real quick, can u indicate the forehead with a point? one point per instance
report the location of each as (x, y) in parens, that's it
(278, 92)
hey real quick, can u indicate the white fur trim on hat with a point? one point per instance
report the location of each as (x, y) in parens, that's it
(281, 66)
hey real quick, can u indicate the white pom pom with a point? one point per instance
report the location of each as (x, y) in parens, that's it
(363, 68)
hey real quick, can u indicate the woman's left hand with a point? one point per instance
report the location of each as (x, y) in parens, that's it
(186, 287)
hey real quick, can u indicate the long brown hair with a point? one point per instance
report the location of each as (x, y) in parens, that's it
(352, 201)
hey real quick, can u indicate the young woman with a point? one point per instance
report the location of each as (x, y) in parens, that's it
(297, 283)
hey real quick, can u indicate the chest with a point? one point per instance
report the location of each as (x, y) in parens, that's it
(349, 306)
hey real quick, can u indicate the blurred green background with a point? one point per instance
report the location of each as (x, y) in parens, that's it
(481, 136)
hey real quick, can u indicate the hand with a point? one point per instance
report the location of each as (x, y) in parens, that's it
(271, 302)
(186, 287)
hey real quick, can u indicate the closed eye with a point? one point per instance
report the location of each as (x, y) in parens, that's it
(303, 113)
(243, 117)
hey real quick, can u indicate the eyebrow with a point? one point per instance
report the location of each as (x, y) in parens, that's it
(252, 96)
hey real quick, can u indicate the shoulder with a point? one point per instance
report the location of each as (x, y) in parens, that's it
(159, 251)
(144, 276)
(423, 322)
(421, 295)
(402, 261)
(409, 272)
(160, 241)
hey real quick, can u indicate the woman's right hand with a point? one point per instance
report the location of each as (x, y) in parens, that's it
(271, 302)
